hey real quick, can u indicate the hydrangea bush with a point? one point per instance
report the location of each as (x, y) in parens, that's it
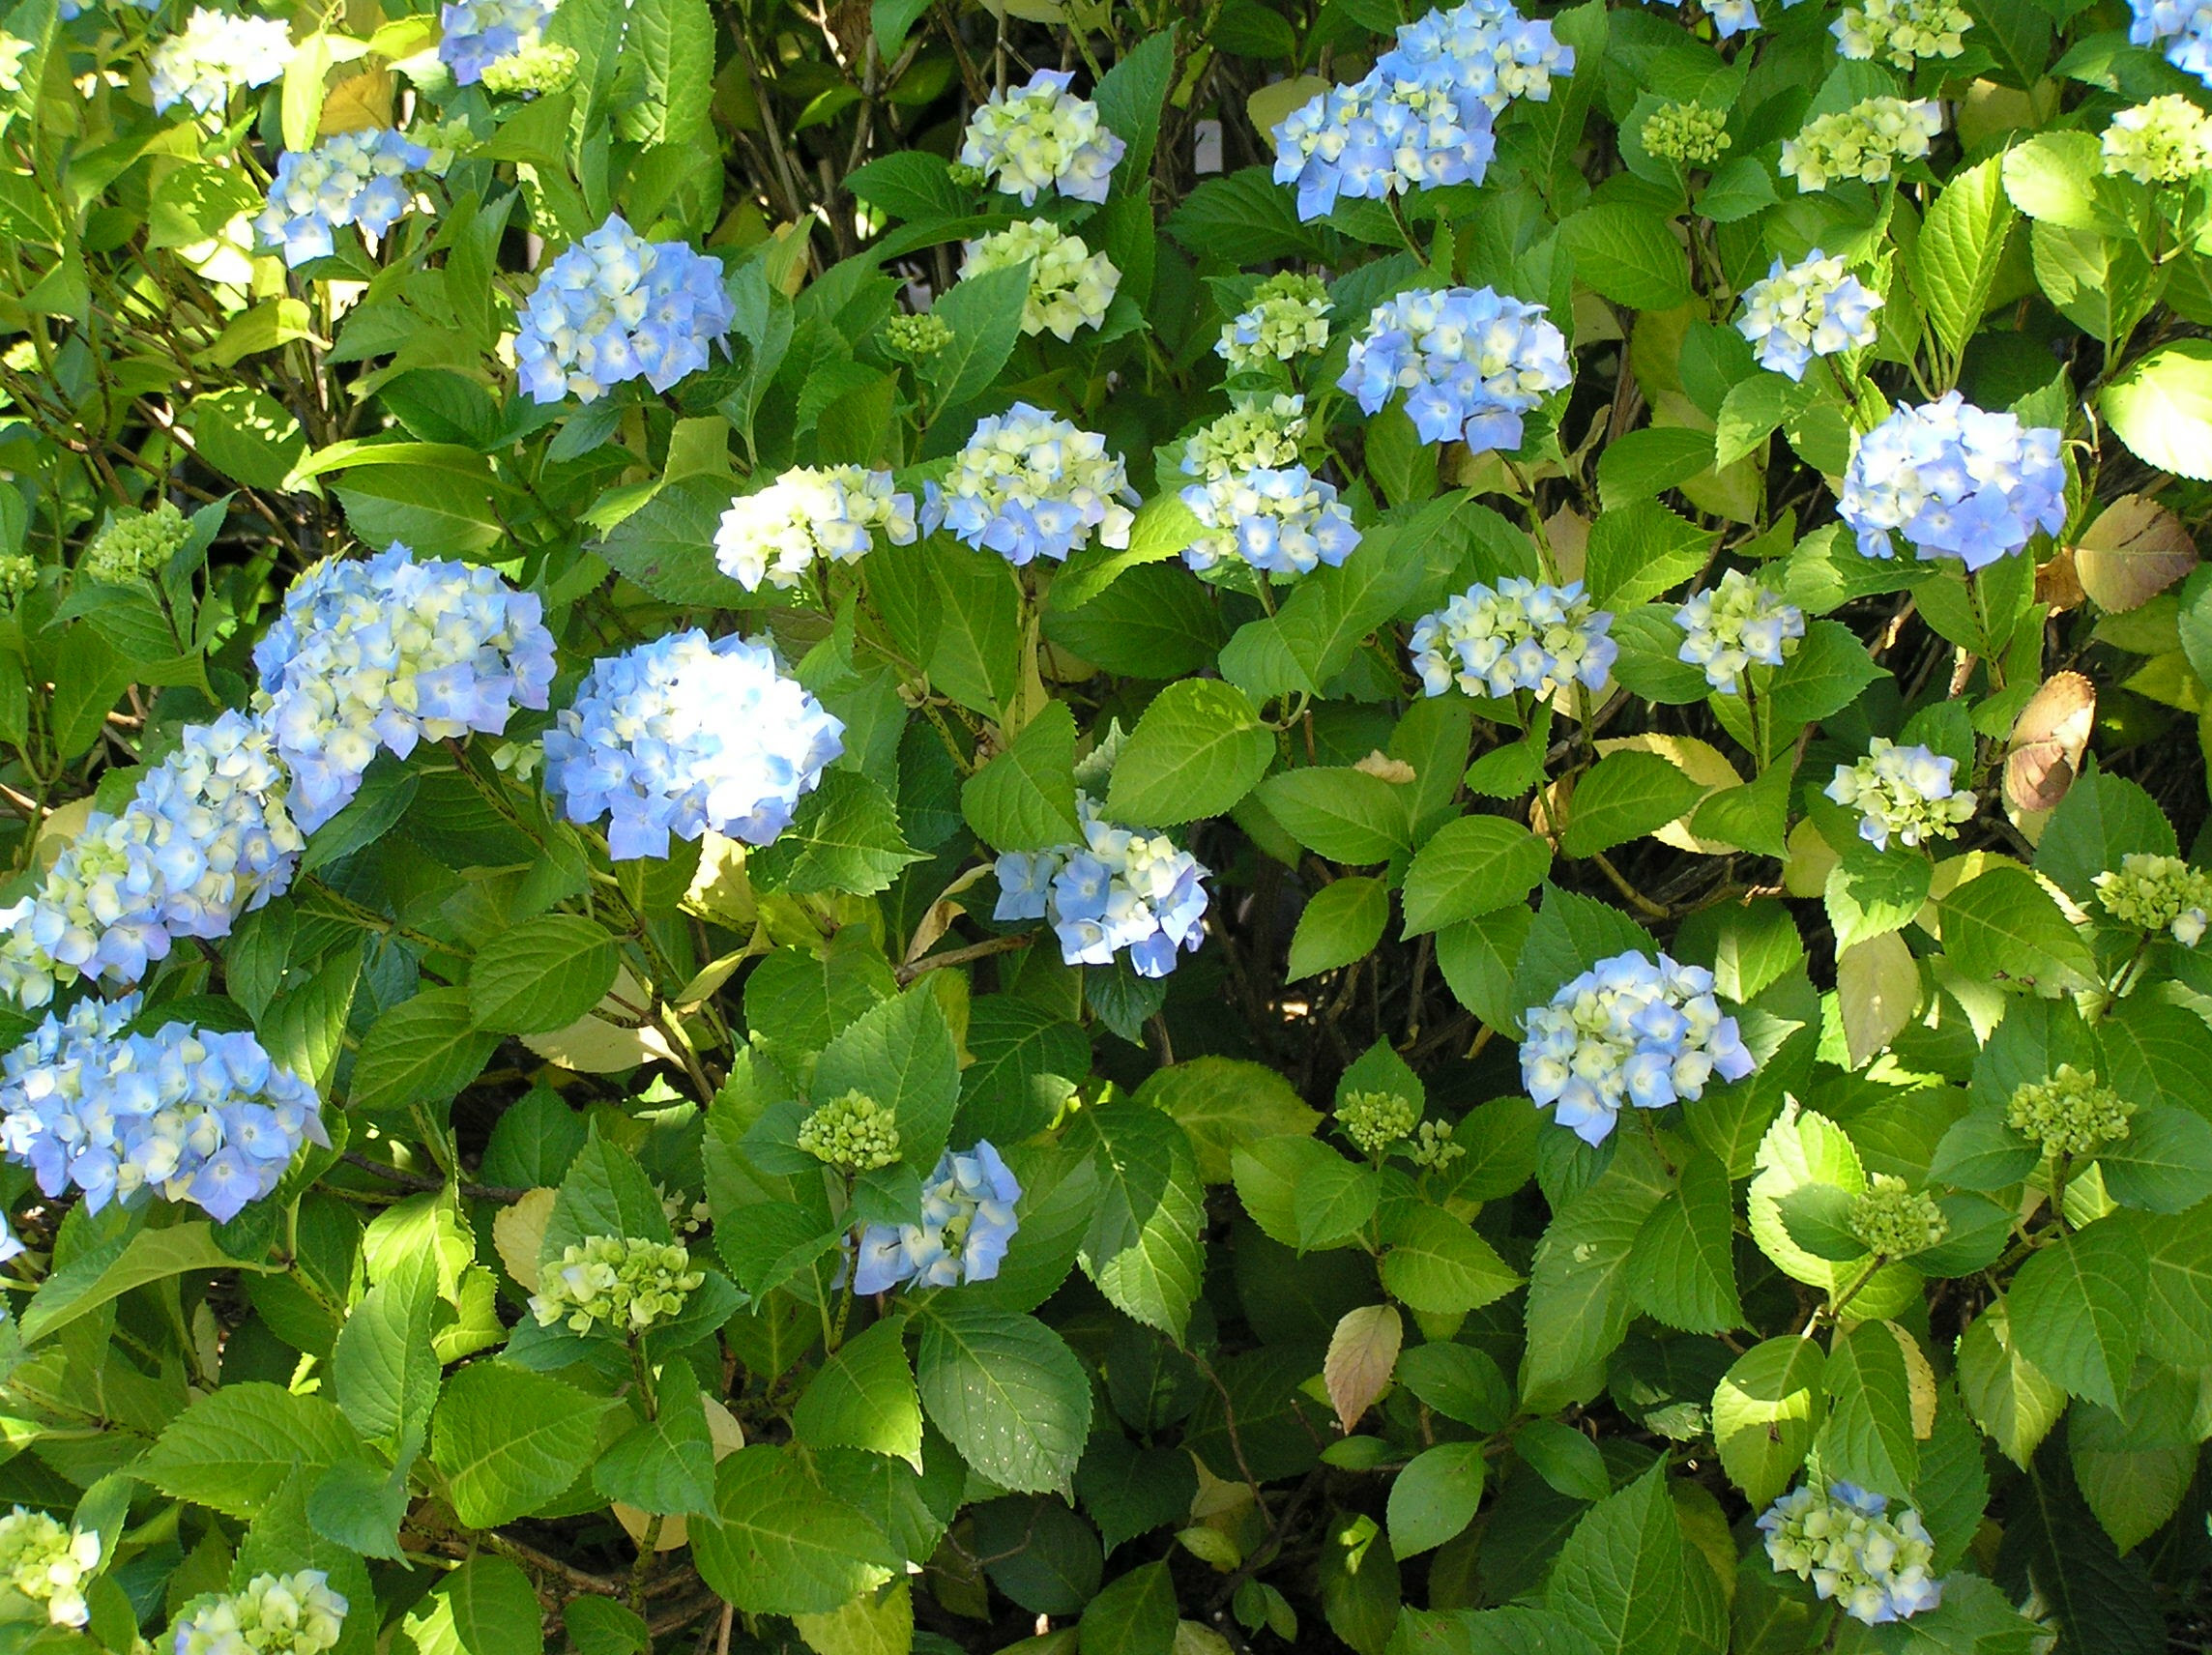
(1150, 830)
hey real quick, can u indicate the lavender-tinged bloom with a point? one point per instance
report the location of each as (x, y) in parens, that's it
(1955, 482)
(1815, 307)
(1847, 1544)
(1735, 625)
(680, 735)
(206, 837)
(389, 652)
(1909, 792)
(829, 512)
(213, 54)
(2181, 28)
(1628, 1030)
(1030, 486)
(1041, 137)
(479, 33)
(615, 307)
(355, 178)
(1519, 636)
(1256, 500)
(1118, 889)
(1472, 362)
(187, 1114)
(967, 1222)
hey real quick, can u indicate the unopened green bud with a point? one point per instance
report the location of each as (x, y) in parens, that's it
(134, 544)
(1895, 1221)
(1376, 1120)
(2159, 893)
(1434, 1147)
(17, 575)
(1689, 133)
(852, 1133)
(966, 176)
(444, 139)
(917, 337)
(615, 1282)
(2070, 1114)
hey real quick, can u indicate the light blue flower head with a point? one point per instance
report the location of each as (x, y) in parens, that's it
(616, 307)
(1954, 482)
(355, 178)
(1853, 1551)
(1519, 635)
(1471, 361)
(1119, 889)
(1028, 484)
(479, 33)
(1815, 307)
(966, 1223)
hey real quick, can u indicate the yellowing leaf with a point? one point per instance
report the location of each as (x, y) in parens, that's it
(518, 1232)
(1878, 985)
(358, 103)
(1362, 1352)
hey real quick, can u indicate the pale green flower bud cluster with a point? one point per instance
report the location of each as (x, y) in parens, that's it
(275, 1615)
(537, 69)
(2159, 893)
(615, 1282)
(134, 544)
(1688, 134)
(1377, 1121)
(1287, 318)
(2070, 1114)
(1868, 142)
(915, 337)
(1070, 286)
(1434, 1145)
(1895, 1221)
(42, 1560)
(444, 139)
(2167, 140)
(17, 575)
(1256, 434)
(1902, 31)
(686, 1215)
(852, 1133)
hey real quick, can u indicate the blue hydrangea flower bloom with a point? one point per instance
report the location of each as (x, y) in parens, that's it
(1256, 499)
(389, 652)
(1910, 792)
(2183, 28)
(1955, 482)
(355, 178)
(1853, 1551)
(186, 1114)
(1472, 360)
(1029, 485)
(1631, 1029)
(966, 1223)
(1422, 116)
(206, 837)
(11, 1246)
(1118, 889)
(680, 735)
(1518, 637)
(212, 55)
(616, 307)
(1041, 137)
(1815, 307)
(1733, 624)
(479, 33)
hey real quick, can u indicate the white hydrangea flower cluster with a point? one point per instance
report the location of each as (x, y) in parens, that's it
(48, 1564)
(2158, 894)
(1815, 307)
(1907, 792)
(2167, 140)
(1256, 501)
(1868, 141)
(1516, 636)
(1040, 136)
(1902, 32)
(275, 1615)
(206, 837)
(387, 653)
(1286, 319)
(1030, 484)
(213, 54)
(1878, 1566)
(829, 512)
(1733, 623)
(1070, 286)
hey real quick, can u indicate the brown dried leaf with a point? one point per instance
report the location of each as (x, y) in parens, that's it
(2058, 584)
(1362, 1352)
(1383, 767)
(2049, 740)
(2134, 551)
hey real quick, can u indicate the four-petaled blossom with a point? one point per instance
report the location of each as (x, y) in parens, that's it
(1735, 625)
(206, 837)
(619, 1284)
(185, 1113)
(1904, 791)
(1955, 482)
(1517, 636)
(1286, 318)
(2158, 894)
(479, 33)
(1902, 32)
(1256, 500)
(1815, 307)
(275, 1615)
(966, 1223)
(355, 178)
(2167, 140)
(1470, 359)
(1070, 286)
(1853, 1551)
(1631, 1029)
(680, 735)
(388, 653)
(1041, 137)
(48, 1564)
(616, 307)
(1868, 141)
(2181, 28)
(1118, 889)
(1030, 484)
(830, 512)
(215, 54)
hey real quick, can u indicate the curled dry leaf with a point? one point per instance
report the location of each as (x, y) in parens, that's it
(1383, 767)
(2048, 742)
(2134, 551)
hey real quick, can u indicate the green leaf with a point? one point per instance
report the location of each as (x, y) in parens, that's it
(902, 1053)
(1979, 1151)
(1639, 550)
(1142, 1247)
(1459, 1382)
(2075, 1310)
(485, 1607)
(1565, 1458)
(2165, 1162)
(1624, 795)
(783, 1544)
(1222, 1104)
(2100, 821)
(844, 838)
(384, 1371)
(1332, 1200)
(1133, 1615)
(670, 44)
(1342, 923)
(1868, 1438)
(1629, 254)
(1682, 1268)
(1749, 414)
(542, 974)
(1766, 1411)
(1578, 1303)
(422, 1050)
(985, 315)
(509, 1441)
(1639, 465)
(1470, 867)
(664, 1466)
(2162, 408)
(667, 545)
(605, 1192)
(864, 1397)
(2002, 926)
(1435, 1497)
(1873, 894)
(1008, 1392)
(2052, 177)
(1198, 749)
(1954, 263)
(1620, 1577)
(233, 1448)
(104, 1273)
(1130, 96)
(1345, 814)
(1024, 799)
(2009, 1396)
(1825, 676)
(1438, 1264)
